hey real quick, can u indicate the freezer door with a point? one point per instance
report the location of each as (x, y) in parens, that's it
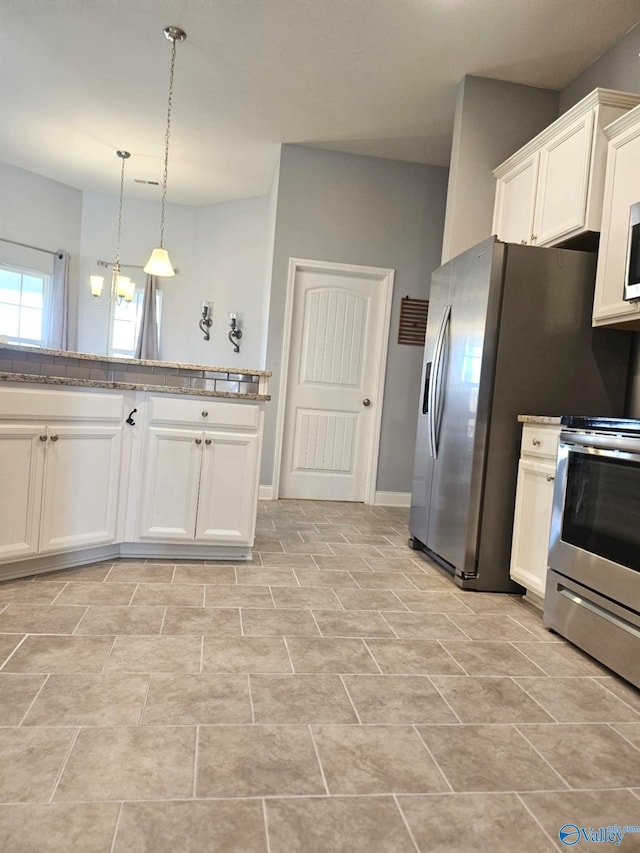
(464, 383)
(423, 463)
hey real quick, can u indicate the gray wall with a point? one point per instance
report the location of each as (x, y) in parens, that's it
(619, 68)
(360, 210)
(493, 119)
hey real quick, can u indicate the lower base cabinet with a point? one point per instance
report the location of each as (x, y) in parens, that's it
(534, 502)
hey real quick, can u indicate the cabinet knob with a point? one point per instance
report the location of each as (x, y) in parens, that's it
(536, 442)
(205, 414)
(366, 402)
(207, 441)
(54, 438)
(550, 477)
(198, 441)
(43, 438)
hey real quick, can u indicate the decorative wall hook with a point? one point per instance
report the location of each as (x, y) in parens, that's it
(235, 334)
(206, 320)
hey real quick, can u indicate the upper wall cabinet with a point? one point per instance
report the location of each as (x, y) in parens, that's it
(551, 189)
(621, 190)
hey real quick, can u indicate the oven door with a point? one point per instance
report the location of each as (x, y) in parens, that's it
(595, 526)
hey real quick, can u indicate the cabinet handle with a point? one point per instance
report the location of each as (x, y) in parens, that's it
(205, 414)
(207, 441)
(550, 477)
(523, 242)
(43, 437)
(533, 238)
(536, 442)
(198, 441)
(54, 438)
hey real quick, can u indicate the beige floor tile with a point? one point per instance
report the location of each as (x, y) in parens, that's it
(395, 564)
(531, 620)
(20, 592)
(271, 623)
(94, 573)
(210, 574)
(155, 654)
(631, 731)
(397, 699)
(97, 593)
(370, 599)
(423, 626)
(413, 657)
(8, 644)
(381, 580)
(336, 824)
(287, 561)
(17, 692)
(327, 535)
(201, 621)
(376, 760)
(164, 594)
(348, 550)
(587, 755)
(144, 763)
(489, 700)
(60, 654)
(586, 809)
(305, 598)
(324, 578)
(559, 659)
(487, 603)
(179, 699)
(112, 699)
(622, 689)
(490, 657)
(254, 761)
(578, 700)
(432, 602)
(300, 699)
(238, 596)
(429, 582)
(40, 619)
(459, 823)
(139, 572)
(269, 544)
(330, 655)
(343, 563)
(58, 827)
(320, 548)
(192, 827)
(355, 623)
(491, 627)
(30, 761)
(257, 576)
(247, 654)
(121, 620)
(488, 758)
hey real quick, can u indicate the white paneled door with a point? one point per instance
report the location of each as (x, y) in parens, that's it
(337, 357)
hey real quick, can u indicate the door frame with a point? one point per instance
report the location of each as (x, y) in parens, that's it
(385, 277)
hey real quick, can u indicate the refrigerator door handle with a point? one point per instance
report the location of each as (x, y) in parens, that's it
(437, 384)
(425, 396)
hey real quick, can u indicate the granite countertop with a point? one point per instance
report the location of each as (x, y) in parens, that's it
(544, 420)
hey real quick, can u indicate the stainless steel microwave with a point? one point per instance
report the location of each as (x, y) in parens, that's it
(632, 274)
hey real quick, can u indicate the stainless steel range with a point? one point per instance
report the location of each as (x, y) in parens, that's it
(593, 583)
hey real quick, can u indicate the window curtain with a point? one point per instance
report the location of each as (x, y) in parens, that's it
(58, 337)
(147, 343)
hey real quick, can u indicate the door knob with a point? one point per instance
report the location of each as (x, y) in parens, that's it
(366, 402)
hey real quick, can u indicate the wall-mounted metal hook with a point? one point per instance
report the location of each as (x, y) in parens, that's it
(235, 334)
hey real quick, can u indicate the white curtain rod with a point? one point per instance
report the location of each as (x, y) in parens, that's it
(27, 246)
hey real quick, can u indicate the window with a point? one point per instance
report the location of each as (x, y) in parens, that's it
(24, 296)
(125, 323)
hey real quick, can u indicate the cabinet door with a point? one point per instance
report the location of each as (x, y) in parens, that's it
(515, 202)
(21, 465)
(228, 490)
(81, 480)
(532, 524)
(563, 183)
(170, 479)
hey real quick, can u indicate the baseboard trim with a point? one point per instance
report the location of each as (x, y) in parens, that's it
(265, 493)
(393, 499)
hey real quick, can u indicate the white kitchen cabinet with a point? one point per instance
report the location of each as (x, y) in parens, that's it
(534, 501)
(621, 190)
(555, 182)
(21, 464)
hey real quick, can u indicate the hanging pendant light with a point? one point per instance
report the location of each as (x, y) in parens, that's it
(159, 263)
(120, 285)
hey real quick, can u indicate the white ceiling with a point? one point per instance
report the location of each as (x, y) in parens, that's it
(82, 78)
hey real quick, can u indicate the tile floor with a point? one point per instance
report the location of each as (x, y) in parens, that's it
(337, 694)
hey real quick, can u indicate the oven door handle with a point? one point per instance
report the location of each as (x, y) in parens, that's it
(601, 442)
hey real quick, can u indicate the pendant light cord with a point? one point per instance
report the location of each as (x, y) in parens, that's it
(117, 263)
(166, 141)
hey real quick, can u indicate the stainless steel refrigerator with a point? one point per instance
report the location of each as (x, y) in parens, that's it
(509, 332)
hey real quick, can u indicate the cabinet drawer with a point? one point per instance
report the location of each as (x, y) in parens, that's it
(51, 404)
(540, 441)
(203, 412)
